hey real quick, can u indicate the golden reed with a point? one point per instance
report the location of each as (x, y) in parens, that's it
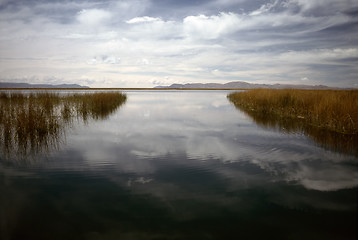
(329, 117)
(31, 123)
(333, 110)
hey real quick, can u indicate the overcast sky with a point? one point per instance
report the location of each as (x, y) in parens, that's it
(144, 43)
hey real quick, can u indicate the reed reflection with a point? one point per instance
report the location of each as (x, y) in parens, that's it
(35, 123)
(335, 141)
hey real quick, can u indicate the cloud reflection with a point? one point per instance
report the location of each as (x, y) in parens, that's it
(171, 162)
(196, 129)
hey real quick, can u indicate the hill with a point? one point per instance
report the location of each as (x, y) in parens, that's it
(27, 85)
(243, 85)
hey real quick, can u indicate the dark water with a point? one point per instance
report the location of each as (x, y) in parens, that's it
(179, 165)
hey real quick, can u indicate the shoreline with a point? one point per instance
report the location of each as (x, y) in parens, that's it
(156, 89)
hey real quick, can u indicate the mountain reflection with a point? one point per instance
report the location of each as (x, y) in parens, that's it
(35, 123)
(344, 143)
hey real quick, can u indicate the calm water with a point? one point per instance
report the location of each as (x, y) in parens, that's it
(178, 165)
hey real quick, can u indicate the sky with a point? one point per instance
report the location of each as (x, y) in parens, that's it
(145, 43)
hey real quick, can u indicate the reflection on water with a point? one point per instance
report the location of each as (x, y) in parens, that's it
(345, 143)
(181, 165)
(35, 123)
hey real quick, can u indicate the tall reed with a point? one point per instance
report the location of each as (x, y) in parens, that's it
(33, 123)
(334, 110)
(329, 117)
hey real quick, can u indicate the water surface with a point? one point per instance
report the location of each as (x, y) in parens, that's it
(179, 165)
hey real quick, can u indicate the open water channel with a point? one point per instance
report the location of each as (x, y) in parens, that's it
(178, 165)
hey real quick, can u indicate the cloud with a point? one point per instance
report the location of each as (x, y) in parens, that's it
(104, 60)
(321, 56)
(3, 2)
(112, 60)
(145, 28)
(145, 61)
(128, 9)
(143, 20)
(210, 27)
(93, 17)
(246, 40)
(322, 7)
(264, 8)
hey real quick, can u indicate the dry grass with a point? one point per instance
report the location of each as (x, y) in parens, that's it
(329, 117)
(33, 123)
(333, 110)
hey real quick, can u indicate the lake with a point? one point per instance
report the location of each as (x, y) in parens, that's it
(178, 165)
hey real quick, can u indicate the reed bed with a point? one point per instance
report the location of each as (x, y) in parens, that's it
(95, 105)
(333, 110)
(35, 122)
(329, 117)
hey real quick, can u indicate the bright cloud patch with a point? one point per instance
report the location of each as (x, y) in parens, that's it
(143, 20)
(211, 27)
(93, 16)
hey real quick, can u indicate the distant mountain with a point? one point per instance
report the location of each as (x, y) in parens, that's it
(242, 85)
(27, 85)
